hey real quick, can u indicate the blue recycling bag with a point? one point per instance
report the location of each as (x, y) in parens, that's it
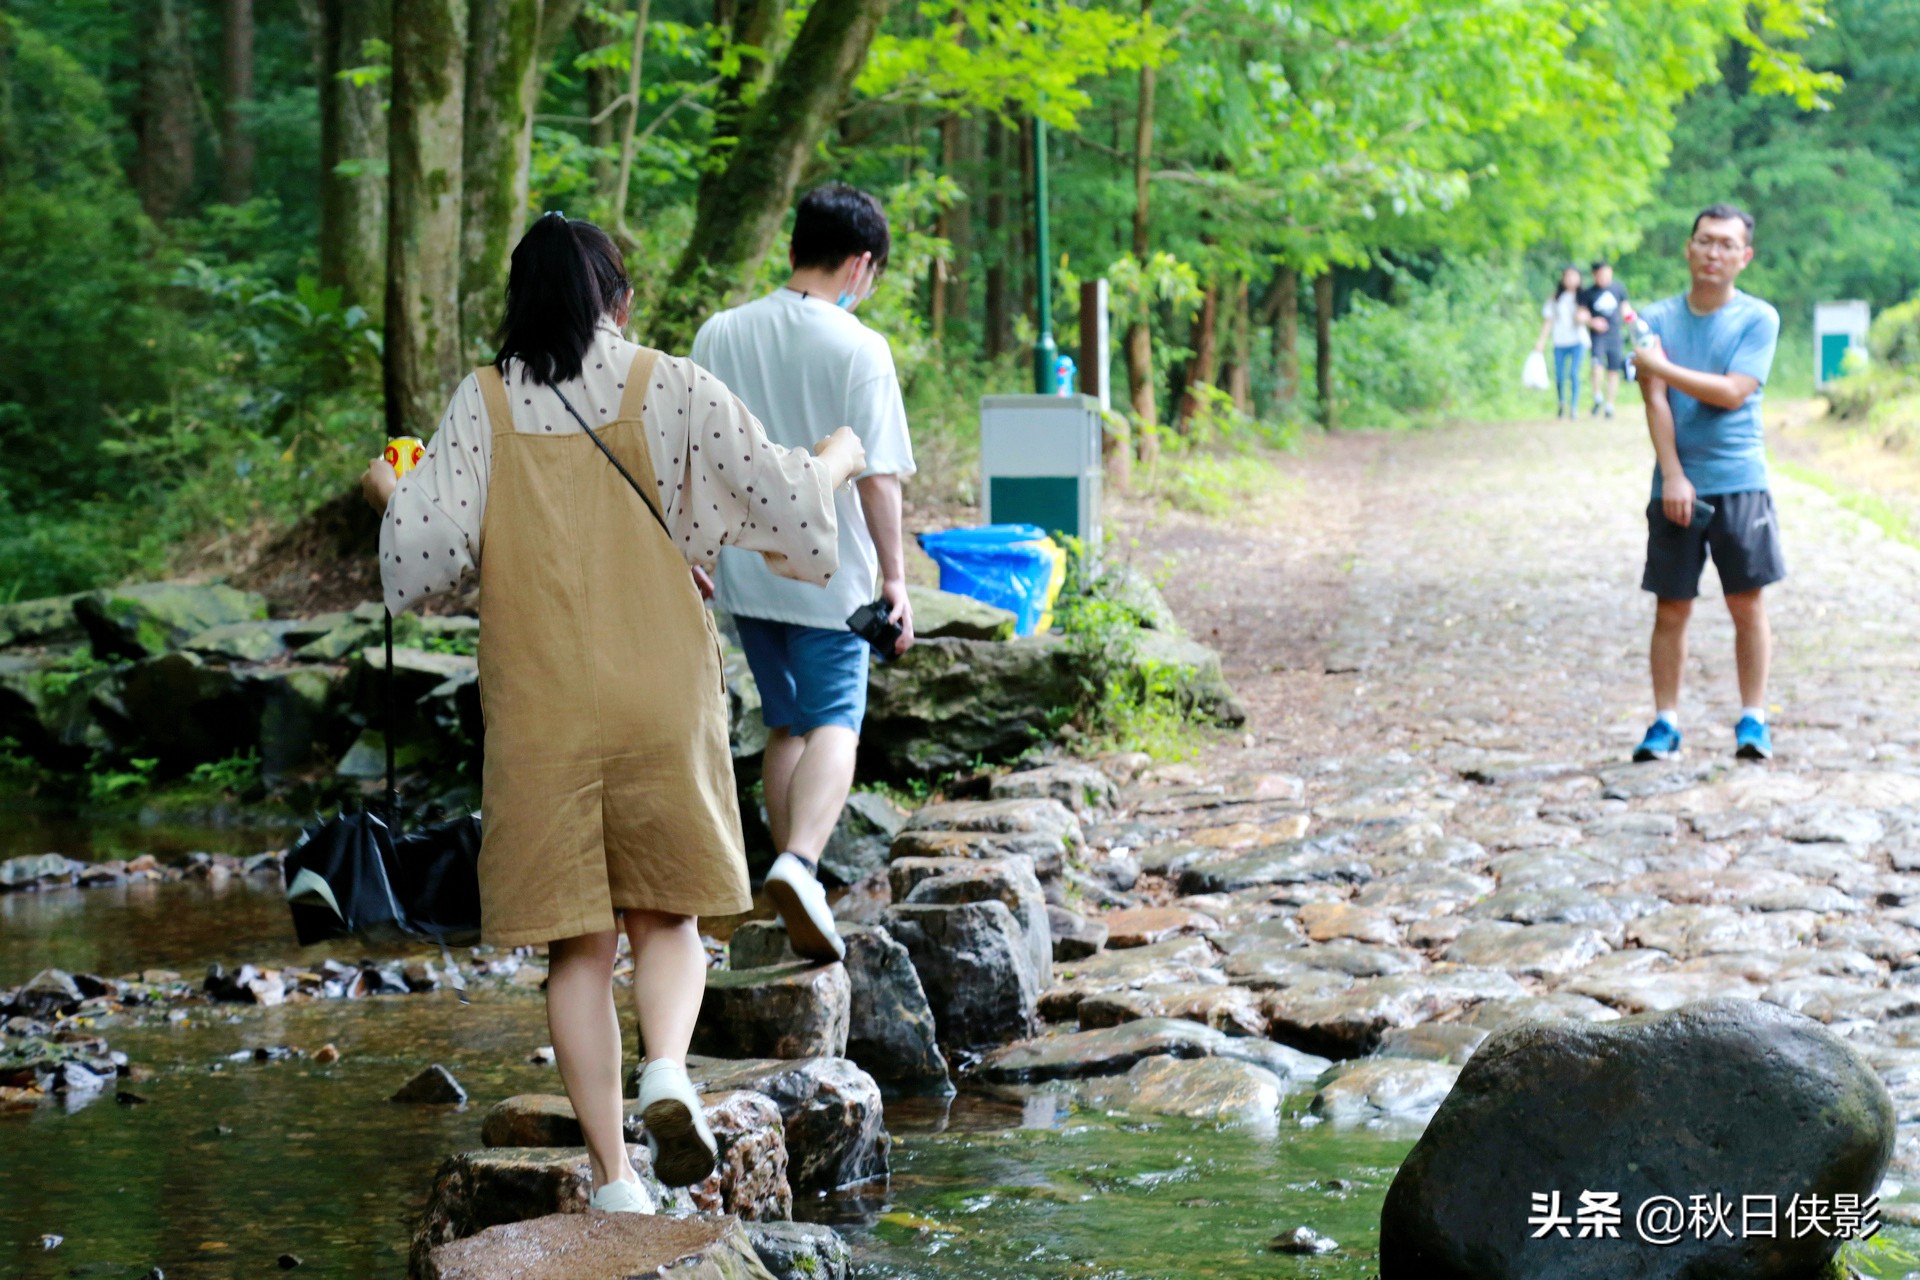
(1015, 566)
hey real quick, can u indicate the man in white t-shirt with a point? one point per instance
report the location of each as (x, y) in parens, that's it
(798, 358)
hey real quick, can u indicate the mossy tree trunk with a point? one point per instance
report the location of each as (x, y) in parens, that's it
(164, 115)
(236, 110)
(741, 205)
(353, 155)
(424, 359)
(502, 80)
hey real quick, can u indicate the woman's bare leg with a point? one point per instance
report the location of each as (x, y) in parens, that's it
(585, 1024)
(669, 978)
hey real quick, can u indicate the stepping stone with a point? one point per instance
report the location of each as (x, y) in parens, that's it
(977, 966)
(1329, 921)
(1114, 1050)
(749, 1178)
(954, 881)
(1351, 1022)
(1372, 1090)
(1080, 787)
(1144, 926)
(598, 1246)
(1531, 950)
(1075, 937)
(798, 1010)
(836, 1130)
(1234, 1010)
(801, 1250)
(1220, 1091)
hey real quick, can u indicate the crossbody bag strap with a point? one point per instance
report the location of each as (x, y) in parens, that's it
(619, 466)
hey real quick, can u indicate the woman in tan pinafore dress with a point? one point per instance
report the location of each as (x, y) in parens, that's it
(608, 796)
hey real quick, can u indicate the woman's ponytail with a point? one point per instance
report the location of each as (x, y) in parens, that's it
(565, 275)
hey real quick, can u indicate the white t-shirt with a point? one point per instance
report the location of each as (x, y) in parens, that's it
(805, 367)
(1561, 308)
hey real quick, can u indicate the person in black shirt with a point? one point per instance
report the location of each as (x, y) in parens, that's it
(1600, 305)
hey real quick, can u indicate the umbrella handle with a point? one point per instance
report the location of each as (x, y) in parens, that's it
(393, 789)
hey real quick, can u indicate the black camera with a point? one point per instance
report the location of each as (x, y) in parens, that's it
(871, 623)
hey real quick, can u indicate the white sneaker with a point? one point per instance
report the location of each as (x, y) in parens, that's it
(683, 1148)
(621, 1197)
(803, 908)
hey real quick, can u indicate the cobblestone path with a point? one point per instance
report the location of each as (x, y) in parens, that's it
(1440, 636)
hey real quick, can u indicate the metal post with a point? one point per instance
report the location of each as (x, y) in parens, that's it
(1046, 355)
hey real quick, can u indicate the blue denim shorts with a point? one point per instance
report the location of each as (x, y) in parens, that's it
(808, 676)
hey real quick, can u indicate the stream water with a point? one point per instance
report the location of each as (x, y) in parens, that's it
(230, 1164)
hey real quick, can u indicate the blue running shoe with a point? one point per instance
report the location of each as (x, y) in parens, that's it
(1661, 743)
(1754, 741)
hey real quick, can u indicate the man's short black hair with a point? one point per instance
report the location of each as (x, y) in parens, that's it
(836, 222)
(1724, 211)
(1600, 262)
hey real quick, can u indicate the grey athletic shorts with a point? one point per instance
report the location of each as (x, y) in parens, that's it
(1743, 537)
(1610, 351)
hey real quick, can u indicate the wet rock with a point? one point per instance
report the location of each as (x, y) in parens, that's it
(1113, 1050)
(1328, 921)
(47, 621)
(952, 881)
(576, 1246)
(1495, 1014)
(1696, 930)
(1144, 926)
(1047, 854)
(1074, 936)
(245, 985)
(1179, 960)
(1350, 1022)
(1080, 787)
(1289, 862)
(1220, 1091)
(861, 838)
(802, 1250)
(46, 995)
(1659, 992)
(1262, 935)
(1374, 1090)
(1233, 1010)
(1042, 817)
(434, 1086)
(976, 964)
(946, 702)
(240, 642)
(1452, 1042)
(1537, 951)
(152, 618)
(749, 1177)
(181, 710)
(38, 871)
(835, 1124)
(1303, 1240)
(1722, 1098)
(797, 1010)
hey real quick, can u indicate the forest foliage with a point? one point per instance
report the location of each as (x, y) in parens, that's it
(240, 237)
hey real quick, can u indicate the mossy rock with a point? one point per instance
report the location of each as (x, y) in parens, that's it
(153, 618)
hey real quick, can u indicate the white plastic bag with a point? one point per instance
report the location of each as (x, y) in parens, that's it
(1533, 374)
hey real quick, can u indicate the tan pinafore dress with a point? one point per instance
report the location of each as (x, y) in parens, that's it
(608, 780)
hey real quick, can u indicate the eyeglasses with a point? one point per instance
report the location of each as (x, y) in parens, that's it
(1712, 244)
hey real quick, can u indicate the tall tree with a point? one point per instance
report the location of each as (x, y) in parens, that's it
(164, 117)
(236, 107)
(1323, 347)
(353, 152)
(502, 80)
(1140, 387)
(740, 207)
(423, 356)
(999, 336)
(1284, 316)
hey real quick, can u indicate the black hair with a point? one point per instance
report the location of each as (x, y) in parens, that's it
(1560, 280)
(1724, 211)
(566, 274)
(836, 222)
(1600, 262)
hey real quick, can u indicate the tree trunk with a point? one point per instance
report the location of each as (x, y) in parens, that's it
(423, 352)
(353, 133)
(1204, 367)
(502, 80)
(164, 119)
(999, 249)
(939, 274)
(756, 24)
(740, 207)
(1140, 388)
(1024, 227)
(629, 136)
(1323, 347)
(960, 229)
(603, 86)
(236, 112)
(1237, 373)
(1286, 335)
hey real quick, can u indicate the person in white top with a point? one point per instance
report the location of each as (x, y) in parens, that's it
(804, 364)
(1561, 322)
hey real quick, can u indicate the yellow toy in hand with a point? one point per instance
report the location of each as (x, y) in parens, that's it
(404, 453)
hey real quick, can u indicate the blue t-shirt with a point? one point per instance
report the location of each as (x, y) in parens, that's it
(1721, 450)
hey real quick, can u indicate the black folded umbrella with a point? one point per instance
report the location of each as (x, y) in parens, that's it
(355, 875)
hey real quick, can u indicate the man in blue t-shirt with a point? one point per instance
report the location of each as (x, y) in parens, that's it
(1702, 373)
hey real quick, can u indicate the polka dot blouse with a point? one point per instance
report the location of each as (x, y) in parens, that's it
(719, 480)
